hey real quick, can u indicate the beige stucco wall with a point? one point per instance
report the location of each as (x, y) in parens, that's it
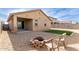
(11, 23)
(37, 15)
(41, 20)
(66, 26)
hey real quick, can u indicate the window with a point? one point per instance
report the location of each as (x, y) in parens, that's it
(56, 23)
(51, 22)
(45, 25)
(36, 20)
(36, 24)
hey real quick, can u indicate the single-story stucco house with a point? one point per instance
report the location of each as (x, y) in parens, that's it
(34, 20)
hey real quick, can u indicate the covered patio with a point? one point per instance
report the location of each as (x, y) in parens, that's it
(24, 23)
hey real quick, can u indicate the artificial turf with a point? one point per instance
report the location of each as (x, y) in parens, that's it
(59, 32)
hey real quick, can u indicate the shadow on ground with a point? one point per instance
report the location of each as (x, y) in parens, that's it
(71, 49)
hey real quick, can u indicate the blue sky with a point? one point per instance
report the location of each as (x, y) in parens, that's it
(71, 14)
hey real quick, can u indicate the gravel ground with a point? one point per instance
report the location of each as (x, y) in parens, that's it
(19, 41)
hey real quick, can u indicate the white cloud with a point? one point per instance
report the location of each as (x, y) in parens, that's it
(62, 13)
(19, 10)
(49, 12)
(16, 10)
(74, 11)
(13, 11)
(68, 12)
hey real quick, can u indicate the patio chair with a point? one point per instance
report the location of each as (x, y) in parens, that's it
(59, 42)
(54, 44)
(50, 44)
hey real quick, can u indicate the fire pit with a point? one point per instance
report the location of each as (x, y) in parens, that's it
(38, 42)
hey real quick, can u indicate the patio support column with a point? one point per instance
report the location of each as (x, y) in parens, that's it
(0, 26)
(14, 23)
